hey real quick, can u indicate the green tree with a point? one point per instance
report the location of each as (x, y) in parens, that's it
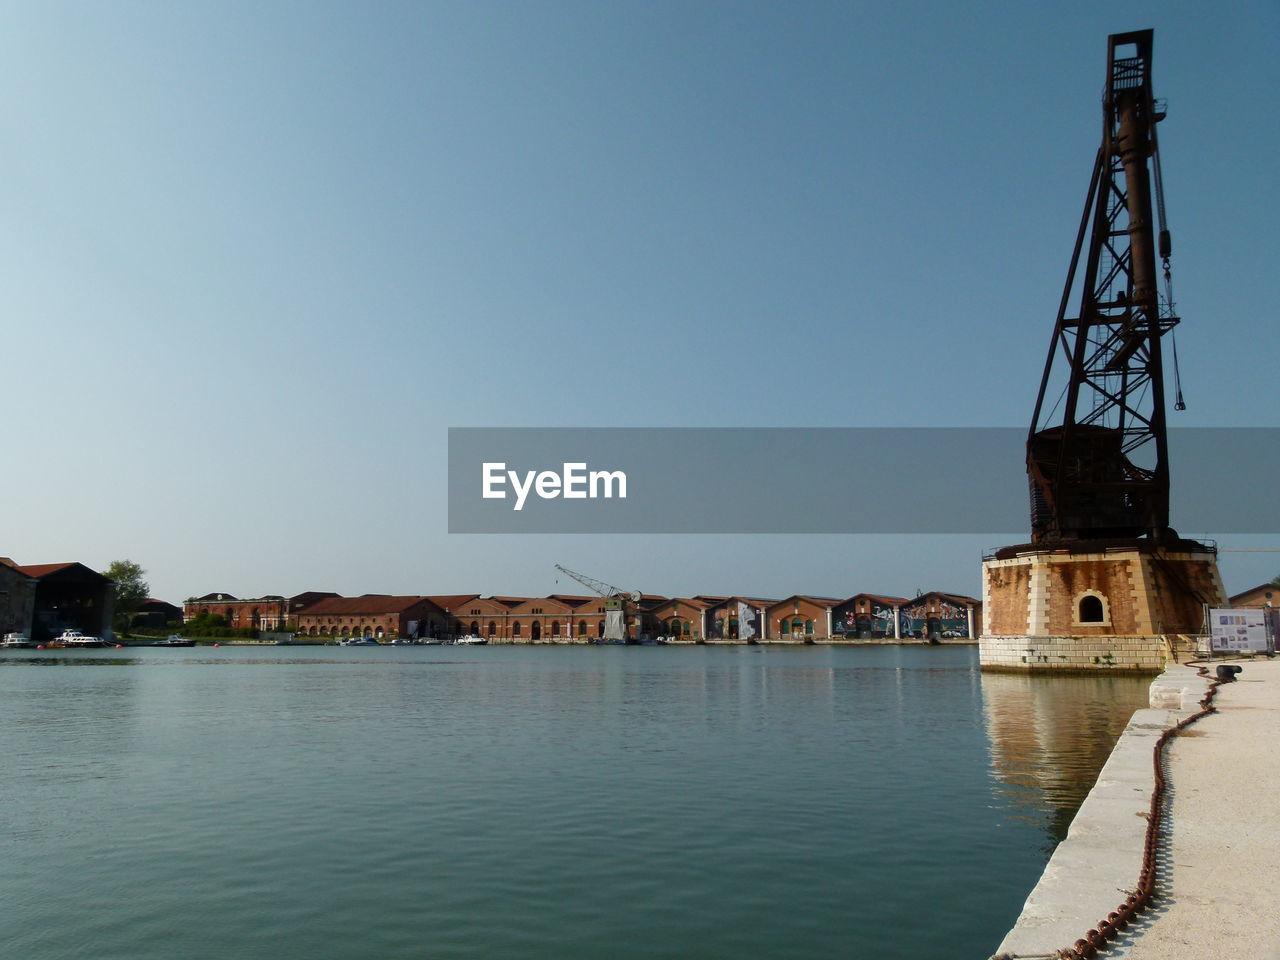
(1275, 581)
(131, 588)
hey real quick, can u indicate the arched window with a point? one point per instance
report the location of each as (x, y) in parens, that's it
(600, 629)
(475, 629)
(808, 628)
(786, 627)
(493, 628)
(515, 628)
(582, 628)
(555, 628)
(1091, 610)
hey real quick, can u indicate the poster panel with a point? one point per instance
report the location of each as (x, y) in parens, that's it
(1239, 629)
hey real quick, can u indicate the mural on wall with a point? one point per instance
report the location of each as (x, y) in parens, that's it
(944, 619)
(737, 621)
(847, 622)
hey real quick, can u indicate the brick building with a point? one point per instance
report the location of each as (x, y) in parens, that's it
(271, 612)
(867, 616)
(1094, 604)
(373, 615)
(1264, 595)
(735, 618)
(17, 598)
(800, 617)
(539, 618)
(678, 617)
(59, 596)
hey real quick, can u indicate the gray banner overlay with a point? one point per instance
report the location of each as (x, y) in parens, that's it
(816, 480)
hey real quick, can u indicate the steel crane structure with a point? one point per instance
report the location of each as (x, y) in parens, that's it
(615, 602)
(1101, 470)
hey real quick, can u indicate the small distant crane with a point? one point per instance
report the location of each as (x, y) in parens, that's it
(615, 603)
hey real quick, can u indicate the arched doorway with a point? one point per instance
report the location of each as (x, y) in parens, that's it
(535, 631)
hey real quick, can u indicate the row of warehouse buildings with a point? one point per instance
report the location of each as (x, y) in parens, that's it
(933, 615)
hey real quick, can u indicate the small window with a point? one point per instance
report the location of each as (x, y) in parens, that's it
(1091, 610)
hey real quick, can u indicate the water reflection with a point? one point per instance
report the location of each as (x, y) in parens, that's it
(1050, 736)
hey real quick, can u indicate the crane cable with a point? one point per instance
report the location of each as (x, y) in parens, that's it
(1166, 250)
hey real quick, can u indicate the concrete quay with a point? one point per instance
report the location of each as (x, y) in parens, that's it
(1220, 838)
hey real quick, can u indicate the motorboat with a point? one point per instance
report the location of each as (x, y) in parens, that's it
(359, 642)
(74, 638)
(17, 641)
(471, 638)
(174, 640)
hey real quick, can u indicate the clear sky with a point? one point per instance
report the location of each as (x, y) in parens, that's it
(257, 258)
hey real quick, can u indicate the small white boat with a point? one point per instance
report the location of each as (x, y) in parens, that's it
(17, 641)
(74, 638)
(471, 639)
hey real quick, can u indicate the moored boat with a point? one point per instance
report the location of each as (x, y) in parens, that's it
(174, 640)
(17, 641)
(74, 638)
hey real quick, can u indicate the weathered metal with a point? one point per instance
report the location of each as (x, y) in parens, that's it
(1102, 469)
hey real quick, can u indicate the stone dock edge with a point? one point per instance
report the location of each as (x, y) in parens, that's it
(1097, 865)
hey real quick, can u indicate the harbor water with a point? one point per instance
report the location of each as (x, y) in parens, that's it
(321, 803)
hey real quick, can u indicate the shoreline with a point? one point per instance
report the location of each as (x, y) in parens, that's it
(1101, 859)
(565, 642)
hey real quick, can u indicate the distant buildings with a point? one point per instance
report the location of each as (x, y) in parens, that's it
(44, 599)
(799, 618)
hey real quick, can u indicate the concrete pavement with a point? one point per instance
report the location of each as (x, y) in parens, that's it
(1218, 884)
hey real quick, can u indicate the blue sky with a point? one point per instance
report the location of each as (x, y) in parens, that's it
(259, 257)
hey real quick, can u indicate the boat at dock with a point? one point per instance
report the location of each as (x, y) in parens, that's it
(74, 638)
(17, 641)
(174, 640)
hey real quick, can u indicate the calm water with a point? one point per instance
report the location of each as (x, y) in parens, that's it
(517, 802)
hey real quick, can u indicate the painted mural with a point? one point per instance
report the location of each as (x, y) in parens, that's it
(736, 621)
(941, 619)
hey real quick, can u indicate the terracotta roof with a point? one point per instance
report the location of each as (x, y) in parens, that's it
(574, 599)
(808, 596)
(366, 604)
(39, 570)
(959, 598)
(511, 601)
(1264, 587)
(684, 601)
(452, 600)
(877, 596)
